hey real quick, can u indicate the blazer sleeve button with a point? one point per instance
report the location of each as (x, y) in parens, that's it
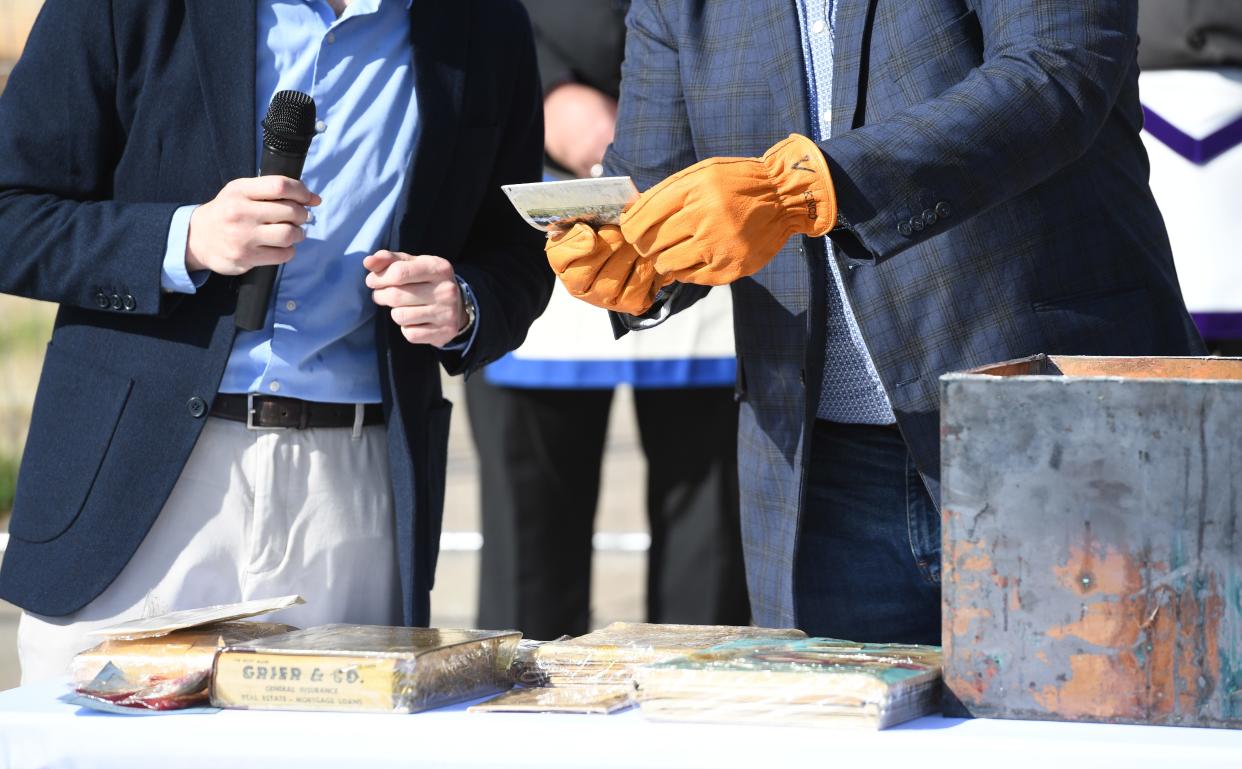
(197, 407)
(116, 303)
(943, 210)
(129, 302)
(929, 218)
(916, 223)
(905, 229)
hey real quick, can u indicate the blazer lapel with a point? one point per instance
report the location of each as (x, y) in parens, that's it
(776, 30)
(438, 33)
(848, 67)
(224, 38)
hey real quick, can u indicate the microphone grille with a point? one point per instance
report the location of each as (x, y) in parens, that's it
(290, 122)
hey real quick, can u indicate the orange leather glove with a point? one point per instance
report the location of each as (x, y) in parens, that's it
(599, 267)
(725, 218)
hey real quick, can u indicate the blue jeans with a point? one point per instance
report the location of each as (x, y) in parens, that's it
(868, 560)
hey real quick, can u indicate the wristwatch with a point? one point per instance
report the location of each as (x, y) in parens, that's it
(469, 305)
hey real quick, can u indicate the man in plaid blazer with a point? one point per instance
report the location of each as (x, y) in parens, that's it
(992, 202)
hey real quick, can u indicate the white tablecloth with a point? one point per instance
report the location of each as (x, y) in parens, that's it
(38, 731)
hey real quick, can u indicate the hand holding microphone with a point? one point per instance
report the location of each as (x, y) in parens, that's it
(251, 223)
(252, 226)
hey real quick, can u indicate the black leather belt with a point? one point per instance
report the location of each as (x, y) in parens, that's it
(274, 412)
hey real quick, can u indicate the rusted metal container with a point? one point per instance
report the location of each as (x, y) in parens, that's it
(1092, 535)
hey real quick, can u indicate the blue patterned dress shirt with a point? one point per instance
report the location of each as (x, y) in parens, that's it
(852, 391)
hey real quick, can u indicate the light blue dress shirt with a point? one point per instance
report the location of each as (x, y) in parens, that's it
(319, 340)
(851, 391)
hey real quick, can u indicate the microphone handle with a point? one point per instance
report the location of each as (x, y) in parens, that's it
(256, 285)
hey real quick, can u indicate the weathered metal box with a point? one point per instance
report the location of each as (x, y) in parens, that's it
(1092, 533)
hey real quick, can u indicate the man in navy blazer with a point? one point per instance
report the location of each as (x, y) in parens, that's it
(165, 444)
(978, 171)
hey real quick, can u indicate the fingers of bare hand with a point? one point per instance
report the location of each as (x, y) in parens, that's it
(280, 212)
(276, 188)
(278, 235)
(411, 269)
(404, 296)
(424, 315)
(437, 336)
(377, 262)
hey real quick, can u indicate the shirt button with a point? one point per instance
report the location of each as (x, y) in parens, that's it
(320, 126)
(291, 305)
(331, 38)
(197, 407)
(819, 26)
(274, 387)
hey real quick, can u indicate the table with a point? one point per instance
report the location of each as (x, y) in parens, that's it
(36, 730)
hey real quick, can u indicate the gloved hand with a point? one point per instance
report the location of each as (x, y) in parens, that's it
(600, 268)
(725, 218)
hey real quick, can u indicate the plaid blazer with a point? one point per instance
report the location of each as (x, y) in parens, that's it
(987, 154)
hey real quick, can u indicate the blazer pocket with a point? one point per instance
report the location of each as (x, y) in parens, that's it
(76, 412)
(1097, 322)
(438, 419)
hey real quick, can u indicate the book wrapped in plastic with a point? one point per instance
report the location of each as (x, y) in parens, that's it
(364, 668)
(807, 682)
(610, 655)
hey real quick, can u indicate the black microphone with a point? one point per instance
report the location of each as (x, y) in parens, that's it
(287, 133)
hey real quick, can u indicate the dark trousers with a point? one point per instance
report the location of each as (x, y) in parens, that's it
(540, 453)
(868, 562)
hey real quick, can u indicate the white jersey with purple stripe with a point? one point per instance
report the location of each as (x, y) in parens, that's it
(1193, 133)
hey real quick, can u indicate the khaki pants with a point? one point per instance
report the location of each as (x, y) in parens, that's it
(255, 514)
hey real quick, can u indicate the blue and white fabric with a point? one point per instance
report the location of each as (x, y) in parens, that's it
(851, 391)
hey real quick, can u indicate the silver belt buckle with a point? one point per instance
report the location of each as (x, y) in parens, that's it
(250, 425)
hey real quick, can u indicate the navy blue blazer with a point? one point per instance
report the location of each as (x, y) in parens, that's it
(121, 111)
(987, 154)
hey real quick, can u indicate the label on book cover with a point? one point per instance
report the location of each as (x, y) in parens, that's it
(286, 682)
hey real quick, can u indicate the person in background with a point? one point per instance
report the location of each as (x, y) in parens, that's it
(893, 190)
(1191, 88)
(539, 416)
(174, 462)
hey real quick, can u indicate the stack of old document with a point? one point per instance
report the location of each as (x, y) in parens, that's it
(808, 682)
(611, 654)
(594, 673)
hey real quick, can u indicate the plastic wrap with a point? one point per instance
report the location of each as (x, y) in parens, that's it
(364, 668)
(164, 673)
(609, 655)
(809, 682)
(163, 624)
(599, 700)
